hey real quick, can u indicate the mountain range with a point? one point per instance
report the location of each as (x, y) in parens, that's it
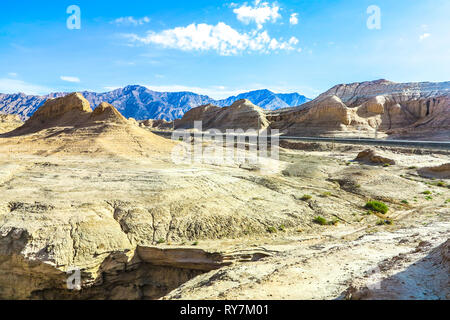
(141, 103)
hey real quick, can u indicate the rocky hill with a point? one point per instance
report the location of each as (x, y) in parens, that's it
(141, 103)
(67, 125)
(419, 110)
(241, 114)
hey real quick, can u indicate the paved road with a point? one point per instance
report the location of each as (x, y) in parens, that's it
(442, 145)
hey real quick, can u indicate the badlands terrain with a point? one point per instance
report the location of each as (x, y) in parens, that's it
(93, 191)
(372, 109)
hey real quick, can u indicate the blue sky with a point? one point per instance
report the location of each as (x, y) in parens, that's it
(220, 48)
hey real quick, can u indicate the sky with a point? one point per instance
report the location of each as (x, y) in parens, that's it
(220, 48)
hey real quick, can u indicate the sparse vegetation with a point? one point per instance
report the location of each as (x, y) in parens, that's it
(306, 197)
(384, 222)
(271, 229)
(324, 222)
(377, 206)
(428, 198)
(326, 194)
(441, 184)
(160, 241)
(405, 202)
(386, 165)
(320, 220)
(426, 192)
(412, 167)
(195, 243)
(282, 227)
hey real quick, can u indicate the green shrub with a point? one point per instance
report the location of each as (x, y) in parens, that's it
(405, 201)
(271, 230)
(327, 194)
(282, 227)
(384, 222)
(441, 184)
(428, 198)
(377, 206)
(161, 240)
(426, 192)
(306, 197)
(195, 243)
(320, 220)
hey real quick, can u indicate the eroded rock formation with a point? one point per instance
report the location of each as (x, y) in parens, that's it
(420, 110)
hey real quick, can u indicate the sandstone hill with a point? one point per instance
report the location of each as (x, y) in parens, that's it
(67, 125)
(9, 122)
(241, 114)
(419, 110)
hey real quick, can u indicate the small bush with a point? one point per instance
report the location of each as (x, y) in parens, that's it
(405, 201)
(271, 230)
(428, 198)
(320, 220)
(326, 194)
(195, 243)
(441, 184)
(161, 240)
(333, 222)
(412, 167)
(384, 222)
(306, 197)
(377, 206)
(282, 227)
(386, 165)
(426, 192)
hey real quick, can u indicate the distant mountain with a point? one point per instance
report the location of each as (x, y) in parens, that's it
(141, 103)
(266, 99)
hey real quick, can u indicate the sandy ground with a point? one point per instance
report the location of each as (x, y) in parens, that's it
(120, 183)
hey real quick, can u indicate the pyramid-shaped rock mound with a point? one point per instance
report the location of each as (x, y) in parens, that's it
(107, 112)
(70, 110)
(242, 114)
(68, 125)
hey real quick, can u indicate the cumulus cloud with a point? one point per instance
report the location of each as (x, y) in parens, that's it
(293, 20)
(221, 38)
(131, 21)
(424, 36)
(260, 13)
(70, 79)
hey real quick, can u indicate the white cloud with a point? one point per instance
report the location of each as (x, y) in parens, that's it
(70, 79)
(12, 74)
(424, 36)
(16, 86)
(221, 38)
(293, 20)
(131, 21)
(260, 13)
